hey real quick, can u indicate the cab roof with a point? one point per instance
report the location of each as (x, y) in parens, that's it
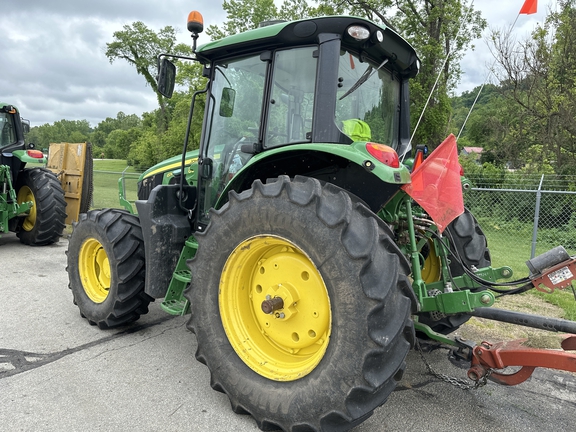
(402, 56)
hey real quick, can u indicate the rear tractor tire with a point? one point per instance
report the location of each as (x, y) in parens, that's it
(106, 268)
(46, 219)
(301, 306)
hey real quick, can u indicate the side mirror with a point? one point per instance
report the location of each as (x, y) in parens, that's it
(166, 78)
(227, 102)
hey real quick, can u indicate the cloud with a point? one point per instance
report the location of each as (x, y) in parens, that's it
(54, 62)
(500, 15)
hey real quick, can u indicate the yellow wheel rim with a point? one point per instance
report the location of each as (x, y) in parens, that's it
(94, 270)
(289, 342)
(432, 265)
(24, 195)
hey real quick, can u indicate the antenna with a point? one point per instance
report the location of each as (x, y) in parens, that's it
(439, 74)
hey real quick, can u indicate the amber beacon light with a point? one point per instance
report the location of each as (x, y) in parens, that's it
(195, 22)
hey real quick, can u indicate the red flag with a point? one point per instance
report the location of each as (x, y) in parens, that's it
(436, 185)
(529, 7)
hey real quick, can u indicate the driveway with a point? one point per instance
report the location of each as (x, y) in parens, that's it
(58, 373)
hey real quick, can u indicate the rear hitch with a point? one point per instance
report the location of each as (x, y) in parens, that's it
(487, 358)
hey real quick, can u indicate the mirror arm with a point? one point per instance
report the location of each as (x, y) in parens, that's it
(159, 57)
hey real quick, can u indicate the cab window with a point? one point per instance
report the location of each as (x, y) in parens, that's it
(367, 103)
(292, 97)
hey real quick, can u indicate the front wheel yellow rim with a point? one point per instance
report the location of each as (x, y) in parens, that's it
(94, 268)
(275, 308)
(432, 268)
(25, 194)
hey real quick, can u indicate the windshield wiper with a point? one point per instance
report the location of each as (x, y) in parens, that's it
(365, 76)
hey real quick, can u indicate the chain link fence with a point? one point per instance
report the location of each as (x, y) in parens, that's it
(524, 216)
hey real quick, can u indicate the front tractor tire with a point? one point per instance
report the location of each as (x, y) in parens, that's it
(467, 240)
(301, 306)
(106, 268)
(46, 219)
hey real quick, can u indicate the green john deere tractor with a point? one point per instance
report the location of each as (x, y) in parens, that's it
(31, 199)
(289, 236)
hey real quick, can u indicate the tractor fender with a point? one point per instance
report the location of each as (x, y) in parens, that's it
(23, 156)
(348, 166)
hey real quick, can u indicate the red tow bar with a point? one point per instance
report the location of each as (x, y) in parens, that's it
(487, 357)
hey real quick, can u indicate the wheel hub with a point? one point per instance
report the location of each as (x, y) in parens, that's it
(270, 305)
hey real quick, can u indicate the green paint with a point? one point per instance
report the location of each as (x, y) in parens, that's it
(174, 302)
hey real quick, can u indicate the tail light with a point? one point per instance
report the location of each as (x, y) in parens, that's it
(385, 154)
(37, 154)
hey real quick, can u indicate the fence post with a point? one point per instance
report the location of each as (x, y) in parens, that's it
(536, 217)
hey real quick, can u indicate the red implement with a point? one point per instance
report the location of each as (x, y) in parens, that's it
(486, 358)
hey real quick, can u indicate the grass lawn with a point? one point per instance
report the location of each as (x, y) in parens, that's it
(107, 172)
(514, 251)
(116, 165)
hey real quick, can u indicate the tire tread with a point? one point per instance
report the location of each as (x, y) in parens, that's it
(366, 240)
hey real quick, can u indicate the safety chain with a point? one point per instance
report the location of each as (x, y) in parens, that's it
(457, 382)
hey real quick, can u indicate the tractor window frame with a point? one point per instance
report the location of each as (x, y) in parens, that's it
(292, 95)
(8, 132)
(229, 126)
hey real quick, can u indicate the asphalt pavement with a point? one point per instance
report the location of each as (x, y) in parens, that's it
(58, 373)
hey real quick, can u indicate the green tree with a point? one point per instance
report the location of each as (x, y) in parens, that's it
(119, 142)
(495, 124)
(140, 46)
(60, 131)
(99, 137)
(539, 76)
(145, 151)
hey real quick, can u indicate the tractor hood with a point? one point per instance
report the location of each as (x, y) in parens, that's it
(170, 165)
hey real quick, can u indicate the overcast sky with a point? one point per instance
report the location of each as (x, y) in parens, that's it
(54, 67)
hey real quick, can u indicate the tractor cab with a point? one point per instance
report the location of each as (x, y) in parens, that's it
(12, 139)
(11, 136)
(279, 95)
(11, 132)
